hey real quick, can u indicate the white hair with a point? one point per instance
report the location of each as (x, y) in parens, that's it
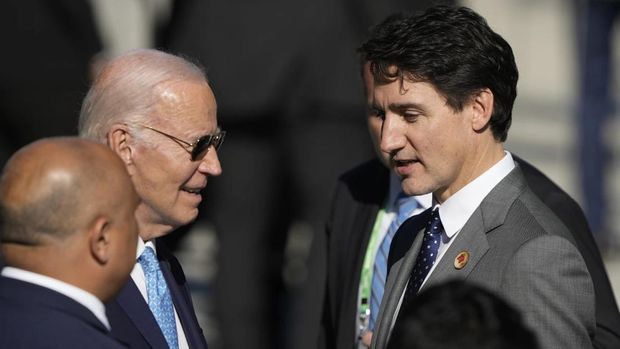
(125, 90)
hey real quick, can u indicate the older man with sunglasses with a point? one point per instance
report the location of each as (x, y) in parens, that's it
(158, 113)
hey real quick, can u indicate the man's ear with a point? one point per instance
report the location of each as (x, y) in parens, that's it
(118, 141)
(99, 240)
(482, 107)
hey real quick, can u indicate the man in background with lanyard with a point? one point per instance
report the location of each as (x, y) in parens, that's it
(370, 197)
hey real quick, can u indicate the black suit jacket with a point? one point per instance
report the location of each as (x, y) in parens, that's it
(32, 316)
(132, 321)
(358, 197)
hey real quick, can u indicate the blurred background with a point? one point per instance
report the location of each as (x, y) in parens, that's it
(286, 78)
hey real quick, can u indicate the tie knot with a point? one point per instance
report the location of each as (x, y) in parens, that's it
(434, 224)
(148, 260)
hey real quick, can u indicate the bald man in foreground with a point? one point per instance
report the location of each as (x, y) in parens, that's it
(68, 232)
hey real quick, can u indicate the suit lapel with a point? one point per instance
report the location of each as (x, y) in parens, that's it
(132, 302)
(472, 240)
(366, 214)
(357, 204)
(185, 312)
(473, 236)
(361, 230)
(180, 297)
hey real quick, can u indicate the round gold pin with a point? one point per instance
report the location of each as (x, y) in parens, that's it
(461, 260)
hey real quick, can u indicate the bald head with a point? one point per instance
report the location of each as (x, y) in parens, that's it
(129, 87)
(67, 211)
(50, 189)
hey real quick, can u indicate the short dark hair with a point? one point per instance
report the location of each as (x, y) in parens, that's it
(460, 315)
(452, 48)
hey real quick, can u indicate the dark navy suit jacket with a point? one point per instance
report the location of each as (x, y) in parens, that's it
(32, 316)
(132, 321)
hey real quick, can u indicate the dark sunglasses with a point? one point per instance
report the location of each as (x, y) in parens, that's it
(199, 147)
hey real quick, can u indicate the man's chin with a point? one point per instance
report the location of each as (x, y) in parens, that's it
(189, 217)
(181, 219)
(412, 188)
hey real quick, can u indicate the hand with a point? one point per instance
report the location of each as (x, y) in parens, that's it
(366, 338)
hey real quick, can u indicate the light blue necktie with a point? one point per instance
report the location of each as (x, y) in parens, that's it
(404, 206)
(159, 298)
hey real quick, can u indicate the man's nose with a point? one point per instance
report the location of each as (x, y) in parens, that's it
(210, 163)
(392, 134)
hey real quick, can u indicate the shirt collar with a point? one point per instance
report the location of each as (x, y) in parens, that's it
(88, 300)
(457, 209)
(142, 245)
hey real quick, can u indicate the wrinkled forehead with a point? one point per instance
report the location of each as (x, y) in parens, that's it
(186, 105)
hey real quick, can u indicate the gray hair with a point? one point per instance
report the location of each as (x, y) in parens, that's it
(125, 90)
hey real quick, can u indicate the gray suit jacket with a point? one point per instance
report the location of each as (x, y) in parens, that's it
(519, 249)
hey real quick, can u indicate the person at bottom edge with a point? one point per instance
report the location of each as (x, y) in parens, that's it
(66, 254)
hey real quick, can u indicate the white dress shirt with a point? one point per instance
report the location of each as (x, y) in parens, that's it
(87, 299)
(137, 274)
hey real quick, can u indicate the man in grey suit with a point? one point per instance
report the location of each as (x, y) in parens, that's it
(444, 87)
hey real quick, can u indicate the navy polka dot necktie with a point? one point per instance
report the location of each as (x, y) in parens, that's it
(427, 256)
(159, 299)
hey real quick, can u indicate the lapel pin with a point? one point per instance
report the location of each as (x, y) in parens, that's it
(461, 260)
